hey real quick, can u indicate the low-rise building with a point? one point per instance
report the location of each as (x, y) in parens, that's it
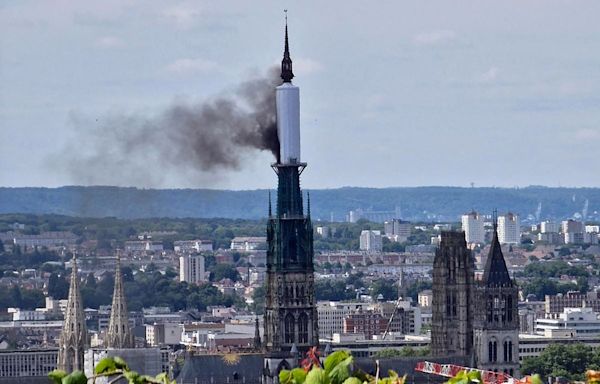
(248, 243)
(27, 364)
(161, 334)
(187, 246)
(579, 321)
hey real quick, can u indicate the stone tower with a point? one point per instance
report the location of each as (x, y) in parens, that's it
(290, 321)
(119, 333)
(73, 338)
(496, 321)
(452, 312)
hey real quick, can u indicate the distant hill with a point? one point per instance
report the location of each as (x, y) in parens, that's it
(418, 203)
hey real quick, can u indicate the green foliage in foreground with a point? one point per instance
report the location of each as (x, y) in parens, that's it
(336, 369)
(115, 367)
(568, 361)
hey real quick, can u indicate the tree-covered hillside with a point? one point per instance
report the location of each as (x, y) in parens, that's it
(418, 203)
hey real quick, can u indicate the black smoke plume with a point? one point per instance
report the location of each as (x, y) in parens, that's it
(217, 134)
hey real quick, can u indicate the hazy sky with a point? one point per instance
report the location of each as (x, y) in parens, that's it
(393, 93)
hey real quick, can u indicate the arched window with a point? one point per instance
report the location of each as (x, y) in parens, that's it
(509, 308)
(289, 328)
(510, 351)
(454, 304)
(303, 329)
(490, 309)
(493, 351)
(505, 345)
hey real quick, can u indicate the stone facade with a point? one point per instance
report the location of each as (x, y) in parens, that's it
(452, 311)
(476, 320)
(496, 322)
(73, 338)
(119, 333)
(291, 320)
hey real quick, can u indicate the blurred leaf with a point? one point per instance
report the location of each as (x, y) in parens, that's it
(105, 365)
(285, 376)
(334, 359)
(536, 379)
(75, 377)
(353, 380)
(57, 375)
(317, 376)
(341, 371)
(132, 377)
(120, 363)
(298, 375)
(163, 378)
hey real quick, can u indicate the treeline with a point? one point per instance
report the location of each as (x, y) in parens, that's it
(16, 297)
(541, 278)
(149, 288)
(17, 259)
(569, 361)
(416, 203)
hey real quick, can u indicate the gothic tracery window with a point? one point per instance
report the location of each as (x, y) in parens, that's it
(303, 328)
(493, 351)
(289, 328)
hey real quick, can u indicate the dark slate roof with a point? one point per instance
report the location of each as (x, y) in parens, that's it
(496, 273)
(225, 368)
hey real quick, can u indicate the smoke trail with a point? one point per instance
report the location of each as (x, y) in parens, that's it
(203, 138)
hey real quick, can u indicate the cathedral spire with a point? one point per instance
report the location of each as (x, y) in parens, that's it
(119, 334)
(495, 272)
(73, 338)
(286, 64)
(257, 341)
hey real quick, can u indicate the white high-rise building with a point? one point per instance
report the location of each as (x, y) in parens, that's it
(191, 269)
(370, 241)
(549, 227)
(573, 231)
(472, 225)
(509, 229)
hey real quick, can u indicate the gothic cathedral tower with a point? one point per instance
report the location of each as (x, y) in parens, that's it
(452, 317)
(290, 322)
(73, 338)
(496, 321)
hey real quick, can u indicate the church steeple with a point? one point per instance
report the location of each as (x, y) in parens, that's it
(119, 334)
(73, 338)
(495, 272)
(286, 64)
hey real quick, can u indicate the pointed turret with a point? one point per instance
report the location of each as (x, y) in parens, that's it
(495, 272)
(119, 334)
(286, 64)
(257, 341)
(270, 209)
(73, 338)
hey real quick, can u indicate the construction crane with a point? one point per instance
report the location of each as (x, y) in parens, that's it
(398, 303)
(451, 370)
(389, 324)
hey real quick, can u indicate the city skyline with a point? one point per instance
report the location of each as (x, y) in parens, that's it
(418, 95)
